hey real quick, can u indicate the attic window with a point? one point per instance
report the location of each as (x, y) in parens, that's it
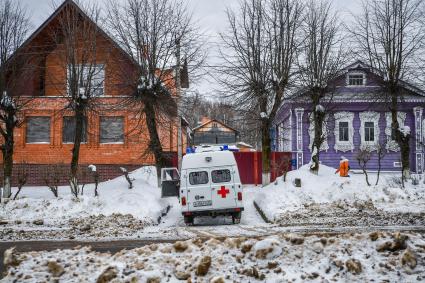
(356, 79)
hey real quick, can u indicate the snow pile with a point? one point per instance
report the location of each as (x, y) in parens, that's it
(143, 202)
(375, 257)
(320, 108)
(405, 130)
(268, 248)
(329, 188)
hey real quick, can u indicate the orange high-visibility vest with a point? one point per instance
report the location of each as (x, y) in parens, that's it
(343, 168)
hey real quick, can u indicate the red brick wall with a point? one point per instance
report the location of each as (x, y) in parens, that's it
(36, 173)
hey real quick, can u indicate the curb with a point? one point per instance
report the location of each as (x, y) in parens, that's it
(261, 212)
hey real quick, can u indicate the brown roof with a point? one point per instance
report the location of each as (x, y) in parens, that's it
(214, 120)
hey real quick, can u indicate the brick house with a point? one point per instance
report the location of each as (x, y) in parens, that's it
(116, 135)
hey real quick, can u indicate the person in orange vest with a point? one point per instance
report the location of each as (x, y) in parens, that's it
(344, 167)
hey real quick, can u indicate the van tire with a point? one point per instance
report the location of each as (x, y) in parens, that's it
(236, 217)
(188, 220)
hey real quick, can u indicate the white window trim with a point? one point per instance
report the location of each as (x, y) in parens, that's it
(101, 66)
(280, 137)
(355, 73)
(344, 146)
(369, 116)
(325, 145)
(392, 144)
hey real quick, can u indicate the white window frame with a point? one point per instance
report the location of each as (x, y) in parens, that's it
(325, 145)
(344, 146)
(392, 144)
(355, 74)
(369, 116)
(101, 68)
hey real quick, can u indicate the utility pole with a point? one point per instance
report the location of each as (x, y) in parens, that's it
(178, 94)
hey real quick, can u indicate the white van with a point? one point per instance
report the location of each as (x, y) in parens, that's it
(209, 185)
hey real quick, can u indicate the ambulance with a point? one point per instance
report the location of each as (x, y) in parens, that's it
(208, 185)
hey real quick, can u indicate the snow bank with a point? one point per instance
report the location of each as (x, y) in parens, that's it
(341, 258)
(143, 201)
(328, 187)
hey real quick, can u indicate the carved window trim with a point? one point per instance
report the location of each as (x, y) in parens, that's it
(369, 116)
(347, 80)
(344, 146)
(392, 144)
(325, 145)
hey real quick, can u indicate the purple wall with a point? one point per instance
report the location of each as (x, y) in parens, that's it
(331, 156)
(352, 99)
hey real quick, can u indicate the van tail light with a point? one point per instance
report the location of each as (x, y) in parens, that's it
(183, 201)
(239, 196)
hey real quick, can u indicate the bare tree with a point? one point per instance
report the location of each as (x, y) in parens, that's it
(127, 177)
(262, 44)
(390, 36)
(22, 177)
(320, 61)
(14, 25)
(52, 177)
(151, 32)
(380, 153)
(363, 157)
(92, 168)
(77, 38)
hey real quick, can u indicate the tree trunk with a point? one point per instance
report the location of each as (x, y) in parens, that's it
(318, 118)
(79, 128)
(8, 155)
(379, 168)
(155, 142)
(401, 138)
(266, 151)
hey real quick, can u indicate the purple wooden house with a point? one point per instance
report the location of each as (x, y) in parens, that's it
(356, 119)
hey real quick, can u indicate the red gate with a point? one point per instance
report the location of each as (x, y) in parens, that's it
(250, 165)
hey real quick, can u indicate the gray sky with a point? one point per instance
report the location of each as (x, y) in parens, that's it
(209, 14)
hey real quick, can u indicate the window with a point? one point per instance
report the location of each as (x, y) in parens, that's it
(220, 176)
(111, 129)
(94, 73)
(38, 130)
(198, 178)
(369, 131)
(355, 79)
(68, 130)
(343, 131)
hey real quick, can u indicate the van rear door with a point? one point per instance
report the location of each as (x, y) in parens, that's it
(223, 187)
(198, 190)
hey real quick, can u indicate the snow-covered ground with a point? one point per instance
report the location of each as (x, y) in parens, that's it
(323, 201)
(327, 192)
(115, 208)
(378, 257)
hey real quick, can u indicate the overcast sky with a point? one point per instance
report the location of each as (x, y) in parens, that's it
(209, 14)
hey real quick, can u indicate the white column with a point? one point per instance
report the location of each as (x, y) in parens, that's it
(299, 120)
(290, 146)
(417, 111)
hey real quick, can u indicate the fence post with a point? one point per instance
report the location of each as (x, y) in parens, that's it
(255, 168)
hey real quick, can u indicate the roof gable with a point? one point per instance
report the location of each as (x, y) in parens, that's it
(210, 122)
(39, 37)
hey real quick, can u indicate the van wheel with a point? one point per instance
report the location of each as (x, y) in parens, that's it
(188, 220)
(236, 218)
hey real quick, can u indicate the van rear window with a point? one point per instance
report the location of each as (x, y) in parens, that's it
(221, 176)
(198, 178)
